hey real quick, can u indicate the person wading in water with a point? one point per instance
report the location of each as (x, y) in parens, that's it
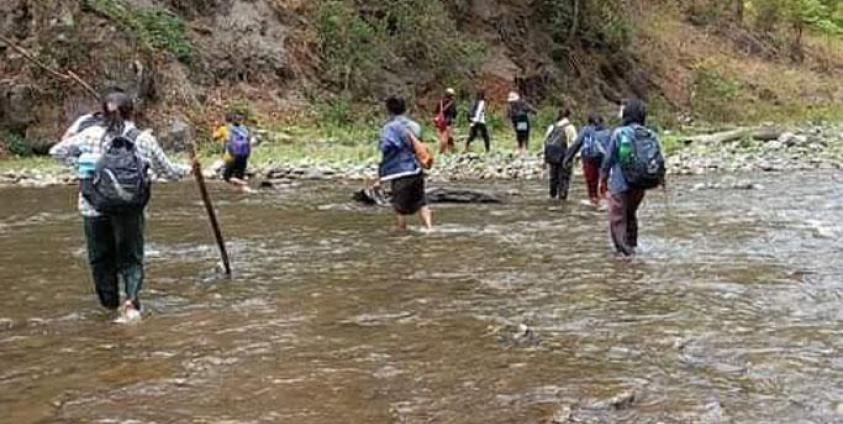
(633, 164)
(112, 161)
(400, 167)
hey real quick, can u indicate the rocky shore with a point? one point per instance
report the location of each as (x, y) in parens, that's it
(813, 148)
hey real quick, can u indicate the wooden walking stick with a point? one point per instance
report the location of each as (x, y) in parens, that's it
(209, 207)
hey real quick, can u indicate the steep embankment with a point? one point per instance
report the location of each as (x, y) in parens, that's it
(186, 60)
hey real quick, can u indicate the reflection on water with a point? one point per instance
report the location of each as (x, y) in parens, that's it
(512, 313)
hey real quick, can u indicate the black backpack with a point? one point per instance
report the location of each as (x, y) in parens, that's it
(556, 144)
(642, 163)
(121, 181)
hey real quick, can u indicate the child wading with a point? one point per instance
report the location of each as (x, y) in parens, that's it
(555, 149)
(400, 166)
(478, 122)
(238, 148)
(633, 164)
(112, 161)
(593, 141)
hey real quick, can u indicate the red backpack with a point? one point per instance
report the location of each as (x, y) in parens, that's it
(440, 121)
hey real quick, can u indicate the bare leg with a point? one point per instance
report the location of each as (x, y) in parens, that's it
(426, 216)
(240, 184)
(401, 222)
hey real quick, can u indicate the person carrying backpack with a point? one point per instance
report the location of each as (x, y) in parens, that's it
(555, 149)
(518, 111)
(238, 148)
(444, 117)
(633, 164)
(113, 161)
(592, 142)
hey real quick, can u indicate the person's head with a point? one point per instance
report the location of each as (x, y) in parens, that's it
(117, 108)
(230, 117)
(513, 97)
(594, 119)
(481, 95)
(564, 113)
(396, 106)
(450, 92)
(634, 112)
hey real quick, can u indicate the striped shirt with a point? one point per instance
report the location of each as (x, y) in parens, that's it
(91, 140)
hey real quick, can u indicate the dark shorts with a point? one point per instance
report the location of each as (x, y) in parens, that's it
(236, 168)
(523, 138)
(408, 194)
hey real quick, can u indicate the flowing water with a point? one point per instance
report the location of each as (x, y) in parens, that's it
(510, 313)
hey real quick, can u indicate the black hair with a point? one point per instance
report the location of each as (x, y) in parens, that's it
(396, 105)
(634, 112)
(564, 113)
(481, 94)
(595, 119)
(117, 108)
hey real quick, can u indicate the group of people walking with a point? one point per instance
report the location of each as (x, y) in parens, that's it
(446, 113)
(113, 159)
(619, 164)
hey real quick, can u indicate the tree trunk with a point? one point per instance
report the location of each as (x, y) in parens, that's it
(575, 23)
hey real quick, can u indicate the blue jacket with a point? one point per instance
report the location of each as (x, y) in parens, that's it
(598, 131)
(399, 159)
(611, 167)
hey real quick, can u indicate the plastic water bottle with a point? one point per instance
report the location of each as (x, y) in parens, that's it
(86, 164)
(625, 148)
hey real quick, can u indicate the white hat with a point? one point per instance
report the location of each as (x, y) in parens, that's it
(513, 97)
(450, 91)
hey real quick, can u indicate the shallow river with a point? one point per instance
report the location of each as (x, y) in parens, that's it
(510, 313)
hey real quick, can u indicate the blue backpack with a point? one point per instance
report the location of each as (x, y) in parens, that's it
(120, 182)
(239, 144)
(592, 146)
(641, 159)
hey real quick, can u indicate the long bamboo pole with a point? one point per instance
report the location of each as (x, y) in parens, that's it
(209, 207)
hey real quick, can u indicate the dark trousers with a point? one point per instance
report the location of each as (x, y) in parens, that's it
(115, 248)
(560, 179)
(483, 131)
(591, 171)
(623, 220)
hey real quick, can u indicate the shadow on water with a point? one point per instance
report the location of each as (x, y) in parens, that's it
(505, 313)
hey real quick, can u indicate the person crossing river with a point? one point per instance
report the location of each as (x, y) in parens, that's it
(112, 160)
(593, 140)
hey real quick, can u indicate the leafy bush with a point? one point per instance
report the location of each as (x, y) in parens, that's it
(156, 27)
(14, 144)
(715, 97)
(359, 44)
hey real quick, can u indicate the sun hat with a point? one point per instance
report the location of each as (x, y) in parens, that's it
(450, 91)
(513, 97)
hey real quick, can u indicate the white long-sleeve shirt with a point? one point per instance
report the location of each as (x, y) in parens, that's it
(91, 140)
(479, 116)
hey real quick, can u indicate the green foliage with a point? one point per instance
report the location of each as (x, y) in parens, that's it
(360, 44)
(14, 143)
(157, 28)
(600, 24)
(714, 95)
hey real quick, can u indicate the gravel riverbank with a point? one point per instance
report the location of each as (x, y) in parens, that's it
(813, 148)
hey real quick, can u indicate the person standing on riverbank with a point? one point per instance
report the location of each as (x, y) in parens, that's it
(559, 134)
(593, 141)
(632, 165)
(477, 117)
(115, 236)
(444, 118)
(518, 112)
(400, 167)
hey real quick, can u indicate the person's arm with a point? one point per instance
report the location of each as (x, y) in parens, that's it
(574, 149)
(158, 160)
(68, 150)
(609, 161)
